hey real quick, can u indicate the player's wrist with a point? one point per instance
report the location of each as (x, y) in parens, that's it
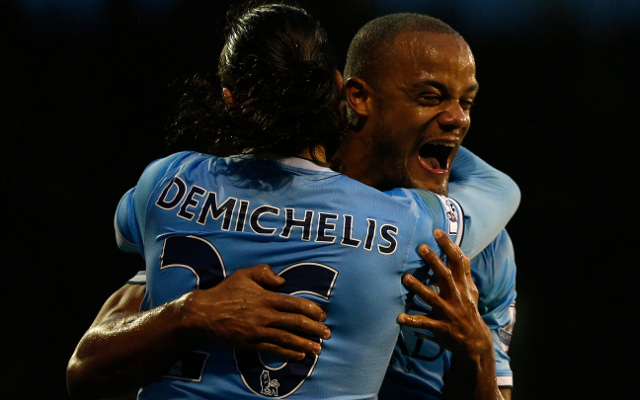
(185, 318)
(477, 348)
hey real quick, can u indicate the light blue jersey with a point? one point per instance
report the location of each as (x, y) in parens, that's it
(197, 218)
(418, 365)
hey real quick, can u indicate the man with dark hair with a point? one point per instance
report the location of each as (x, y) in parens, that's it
(406, 125)
(434, 143)
(410, 84)
(372, 43)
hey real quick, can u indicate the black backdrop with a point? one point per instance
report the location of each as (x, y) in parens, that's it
(85, 88)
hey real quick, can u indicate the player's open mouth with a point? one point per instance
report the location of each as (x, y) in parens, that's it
(434, 156)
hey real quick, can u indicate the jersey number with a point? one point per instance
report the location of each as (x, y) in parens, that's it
(204, 261)
(418, 351)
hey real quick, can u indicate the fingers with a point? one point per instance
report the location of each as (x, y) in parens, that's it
(283, 322)
(264, 275)
(297, 305)
(450, 248)
(421, 322)
(458, 267)
(441, 271)
(287, 336)
(458, 262)
(415, 286)
(281, 352)
(300, 324)
(279, 341)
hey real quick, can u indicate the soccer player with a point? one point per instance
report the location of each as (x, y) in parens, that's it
(174, 191)
(401, 70)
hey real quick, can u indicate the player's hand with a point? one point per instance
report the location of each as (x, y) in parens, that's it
(241, 312)
(454, 320)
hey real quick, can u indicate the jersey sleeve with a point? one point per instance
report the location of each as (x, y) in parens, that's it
(131, 210)
(140, 278)
(488, 197)
(430, 214)
(446, 214)
(494, 272)
(125, 225)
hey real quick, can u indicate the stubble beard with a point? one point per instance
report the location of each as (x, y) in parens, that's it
(387, 162)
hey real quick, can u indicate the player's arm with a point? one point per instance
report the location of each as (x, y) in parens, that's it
(129, 348)
(488, 197)
(496, 279)
(456, 323)
(125, 301)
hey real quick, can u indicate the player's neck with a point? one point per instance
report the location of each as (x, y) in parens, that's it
(319, 157)
(354, 160)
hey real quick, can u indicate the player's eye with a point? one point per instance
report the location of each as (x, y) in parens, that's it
(430, 99)
(466, 104)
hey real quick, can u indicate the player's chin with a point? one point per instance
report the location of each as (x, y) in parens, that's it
(434, 183)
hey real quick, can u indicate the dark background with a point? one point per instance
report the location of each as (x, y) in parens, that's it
(85, 90)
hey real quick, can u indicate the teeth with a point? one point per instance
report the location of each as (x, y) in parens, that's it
(447, 144)
(437, 152)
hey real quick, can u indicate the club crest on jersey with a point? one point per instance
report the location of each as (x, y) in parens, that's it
(176, 369)
(506, 331)
(269, 387)
(453, 213)
(452, 216)
(190, 367)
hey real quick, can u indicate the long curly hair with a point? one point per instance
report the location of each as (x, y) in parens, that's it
(280, 69)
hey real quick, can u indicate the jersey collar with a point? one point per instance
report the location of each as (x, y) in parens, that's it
(295, 162)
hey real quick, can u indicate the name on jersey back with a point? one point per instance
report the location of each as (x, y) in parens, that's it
(197, 204)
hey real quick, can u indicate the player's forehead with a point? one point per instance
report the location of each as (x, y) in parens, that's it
(418, 56)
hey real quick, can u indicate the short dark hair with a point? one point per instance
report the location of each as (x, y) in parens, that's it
(375, 38)
(281, 70)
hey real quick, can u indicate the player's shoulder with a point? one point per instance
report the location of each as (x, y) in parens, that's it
(426, 200)
(444, 213)
(180, 158)
(495, 265)
(174, 161)
(501, 248)
(414, 196)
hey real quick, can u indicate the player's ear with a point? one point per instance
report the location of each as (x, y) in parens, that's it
(358, 96)
(228, 97)
(339, 79)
